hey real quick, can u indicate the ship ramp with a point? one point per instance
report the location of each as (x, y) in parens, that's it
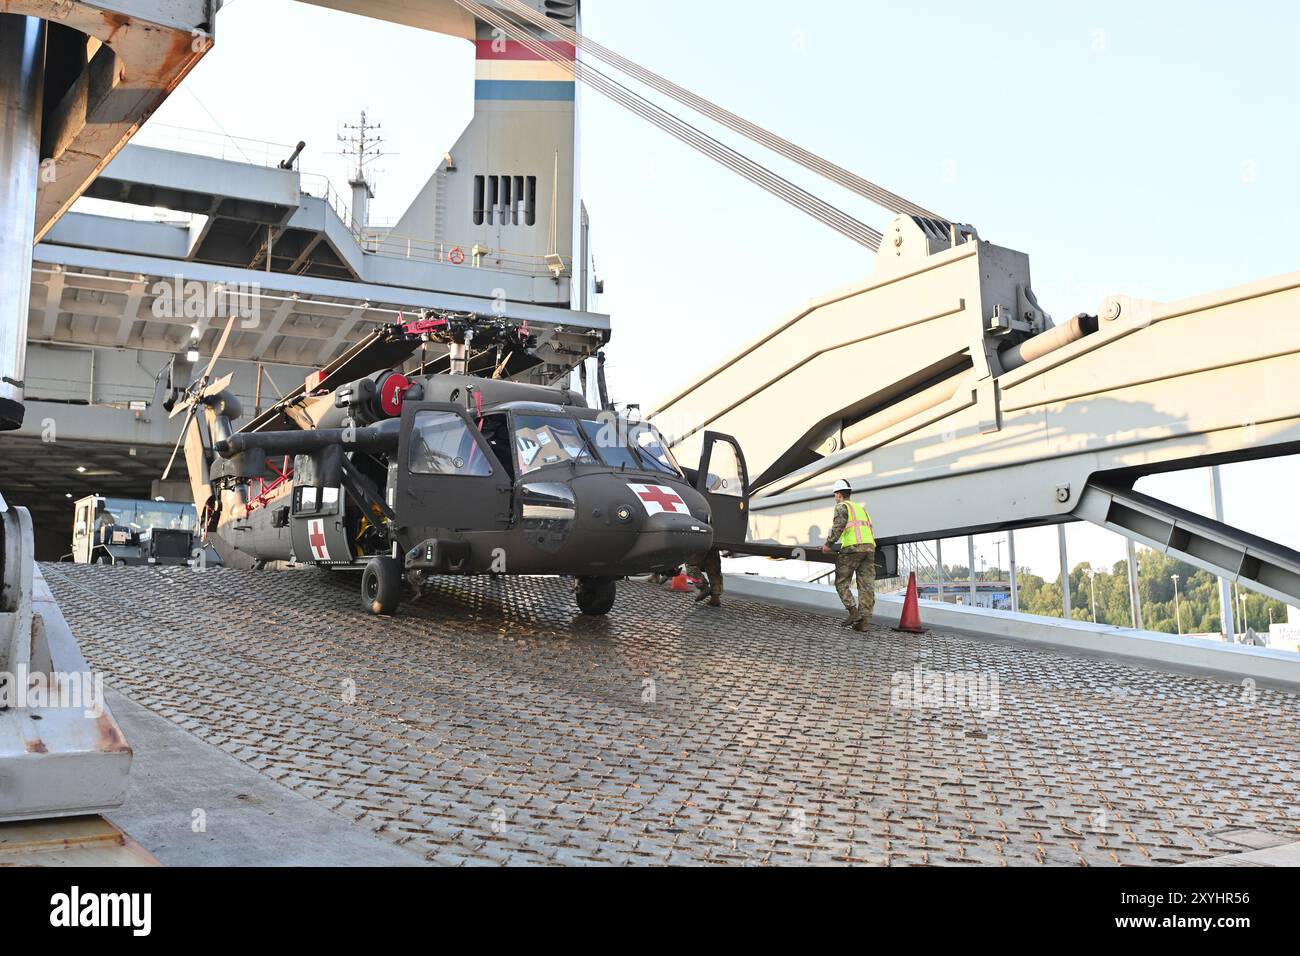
(488, 724)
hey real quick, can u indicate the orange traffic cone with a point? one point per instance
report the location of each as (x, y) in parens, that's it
(681, 582)
(911, 621)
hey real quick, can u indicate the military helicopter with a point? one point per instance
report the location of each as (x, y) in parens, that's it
(411, 476)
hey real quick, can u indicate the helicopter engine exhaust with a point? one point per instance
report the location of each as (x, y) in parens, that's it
(375, 438)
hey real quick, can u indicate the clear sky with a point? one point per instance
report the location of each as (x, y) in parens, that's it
(1148, 149)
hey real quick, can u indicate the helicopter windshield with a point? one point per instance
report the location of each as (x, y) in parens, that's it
(634, 447)
(544, 440)
(650, 446)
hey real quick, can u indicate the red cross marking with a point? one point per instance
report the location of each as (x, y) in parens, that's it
(663, 497)
(316, 538)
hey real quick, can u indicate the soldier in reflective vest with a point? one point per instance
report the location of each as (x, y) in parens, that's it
(853, 539)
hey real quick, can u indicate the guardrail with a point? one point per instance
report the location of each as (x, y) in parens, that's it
(319, 186)
(912, 557)
(382, 242)
(238, 149)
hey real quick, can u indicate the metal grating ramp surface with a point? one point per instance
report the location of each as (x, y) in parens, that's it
(489, 725)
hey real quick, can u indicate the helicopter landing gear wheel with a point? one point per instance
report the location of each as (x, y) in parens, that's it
(381, 587)
(596, 596)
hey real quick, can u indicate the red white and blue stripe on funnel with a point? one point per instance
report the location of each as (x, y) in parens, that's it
(509, 70)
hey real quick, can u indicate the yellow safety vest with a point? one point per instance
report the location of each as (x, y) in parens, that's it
(859, 529)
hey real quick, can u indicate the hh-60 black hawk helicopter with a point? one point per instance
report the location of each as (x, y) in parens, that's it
(415, 476)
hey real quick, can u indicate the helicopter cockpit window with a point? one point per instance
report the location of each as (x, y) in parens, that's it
(609, 437)
(633, 446)
(650, 446)
(442, 444)
(543, 440)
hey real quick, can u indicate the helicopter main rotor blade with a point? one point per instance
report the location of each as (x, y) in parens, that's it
(217, 387)
(180, 442)
(221, 347)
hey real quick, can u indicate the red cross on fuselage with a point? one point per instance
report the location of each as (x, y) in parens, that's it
(318, 543)
(664, 499)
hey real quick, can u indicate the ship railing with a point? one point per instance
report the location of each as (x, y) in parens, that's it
(376, 239)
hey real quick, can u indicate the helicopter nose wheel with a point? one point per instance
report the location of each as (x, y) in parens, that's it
(381, 587)
(596, 596)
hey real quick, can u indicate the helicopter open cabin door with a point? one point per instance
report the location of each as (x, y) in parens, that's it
(450, 483)
(724, 481)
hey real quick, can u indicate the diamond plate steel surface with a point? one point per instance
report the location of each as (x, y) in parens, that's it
(490, 724)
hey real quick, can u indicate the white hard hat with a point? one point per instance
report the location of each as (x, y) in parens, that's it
(843, 486)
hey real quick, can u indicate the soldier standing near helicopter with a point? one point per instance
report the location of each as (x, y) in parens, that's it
(708, 568)
(852, 538)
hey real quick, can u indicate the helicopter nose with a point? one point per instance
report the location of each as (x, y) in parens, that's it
(656, 550)
(669, 540)
(647, 537)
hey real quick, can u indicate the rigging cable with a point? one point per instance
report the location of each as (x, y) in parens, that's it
(801, 199)
(778, 144)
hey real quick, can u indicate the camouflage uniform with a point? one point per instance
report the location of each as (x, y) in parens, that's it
(855, 561)
(708, 567)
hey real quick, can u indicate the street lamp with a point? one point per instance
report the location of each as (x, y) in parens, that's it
(1092, 586)
(1245, 620)
(1178, 614)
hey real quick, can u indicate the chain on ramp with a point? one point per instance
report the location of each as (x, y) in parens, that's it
(488, 724)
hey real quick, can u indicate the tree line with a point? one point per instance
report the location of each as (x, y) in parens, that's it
(1197, 603)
